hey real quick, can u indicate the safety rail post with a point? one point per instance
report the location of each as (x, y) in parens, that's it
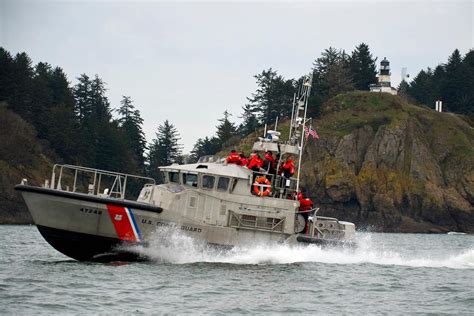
(59, 179)
(97, 174)
(124, 186)
(75, 179)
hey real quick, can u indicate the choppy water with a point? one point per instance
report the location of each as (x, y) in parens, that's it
(388, 274)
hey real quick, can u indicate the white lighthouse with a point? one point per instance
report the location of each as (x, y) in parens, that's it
(383, 84)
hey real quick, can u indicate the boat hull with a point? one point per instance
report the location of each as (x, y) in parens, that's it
(93, 228)
(87, 227)
(86, 247)
(325, 242)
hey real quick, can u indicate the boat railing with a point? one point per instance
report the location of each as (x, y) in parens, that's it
(280, 186)
(253, 222)
(99, 182)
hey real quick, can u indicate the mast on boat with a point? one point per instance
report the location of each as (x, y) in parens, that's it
(296, 138)
(300, 108)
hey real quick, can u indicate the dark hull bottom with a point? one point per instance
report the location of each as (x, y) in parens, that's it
(326, 242)
(85, 247)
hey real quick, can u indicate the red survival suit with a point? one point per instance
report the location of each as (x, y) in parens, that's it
(255, 163)
(288, 168)
(234, 157)
(305, 205)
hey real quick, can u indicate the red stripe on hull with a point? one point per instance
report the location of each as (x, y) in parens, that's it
(122, 224)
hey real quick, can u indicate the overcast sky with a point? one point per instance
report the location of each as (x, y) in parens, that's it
(189, 61)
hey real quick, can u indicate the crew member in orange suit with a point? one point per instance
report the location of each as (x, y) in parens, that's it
(269, 163)
(243, 160)
(305, 206)
(234, 157)
(288, 168)
(256, 163)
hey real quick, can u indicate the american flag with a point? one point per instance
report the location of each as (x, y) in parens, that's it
(311, 131)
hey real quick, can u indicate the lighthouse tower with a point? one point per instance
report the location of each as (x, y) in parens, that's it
(384, 74)
(383, 84)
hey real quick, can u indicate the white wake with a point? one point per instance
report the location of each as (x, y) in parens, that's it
(174, 247)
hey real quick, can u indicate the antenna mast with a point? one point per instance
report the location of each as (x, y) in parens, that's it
(302, 104)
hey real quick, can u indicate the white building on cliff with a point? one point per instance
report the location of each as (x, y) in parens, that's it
(384, 79)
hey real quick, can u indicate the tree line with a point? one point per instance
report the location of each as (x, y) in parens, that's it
(77, 122)
(451, 82)
(80, 125)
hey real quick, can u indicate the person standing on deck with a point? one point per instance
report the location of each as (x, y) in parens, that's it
(233, 157)
(243, 160)
(270, 163)
(288, 168)
(306, 205)
(256, 163)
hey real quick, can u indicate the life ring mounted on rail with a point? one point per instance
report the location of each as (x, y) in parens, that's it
(262, 186)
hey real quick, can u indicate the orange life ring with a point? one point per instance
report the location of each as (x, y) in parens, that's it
(258, 187)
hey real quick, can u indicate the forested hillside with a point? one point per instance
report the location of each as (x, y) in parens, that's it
(46, 119)
(389, 165)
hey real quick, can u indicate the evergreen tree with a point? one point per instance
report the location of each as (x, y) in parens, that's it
(453, 93)
(273, 97)
(451, 83)
(6, 74)
(131, 123)
(20, 99)
(421, 87)
(363, 67)
(226, 131)
(164, 149)
(467, 102)
(403, 89)
(43, 100)
(338, 78)
(62, 127)
(204, 147)
(331, 76)
(249, 123)
(82, 97)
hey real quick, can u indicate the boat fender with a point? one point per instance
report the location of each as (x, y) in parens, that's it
(261, 190)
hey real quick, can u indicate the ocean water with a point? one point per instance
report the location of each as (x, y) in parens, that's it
(395, 274)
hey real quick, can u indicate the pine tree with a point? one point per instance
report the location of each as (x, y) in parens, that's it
(331, 76)
(249, 123)
(452, 87)
(164, 149)
(6, 74)
(20, 99)
(204, 147)
(43, 100)
(82, 97)
(467, 103)
(338, 78)
(273, 97)
(131, 123)
(226, 131)
(363, 67)
(421, 87)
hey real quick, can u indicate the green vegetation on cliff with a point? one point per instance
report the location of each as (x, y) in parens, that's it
(21, 156)
(389, 165)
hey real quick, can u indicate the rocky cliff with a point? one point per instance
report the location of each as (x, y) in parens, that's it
(21, 156)
(391, 166)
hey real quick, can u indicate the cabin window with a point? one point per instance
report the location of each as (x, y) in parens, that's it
(190, 179)
(234, 183)
(192, 201)
(208, 182)
(173, 176)
(223, 184)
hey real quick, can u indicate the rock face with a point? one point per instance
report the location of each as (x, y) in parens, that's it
(391, 166)
(21, 156)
